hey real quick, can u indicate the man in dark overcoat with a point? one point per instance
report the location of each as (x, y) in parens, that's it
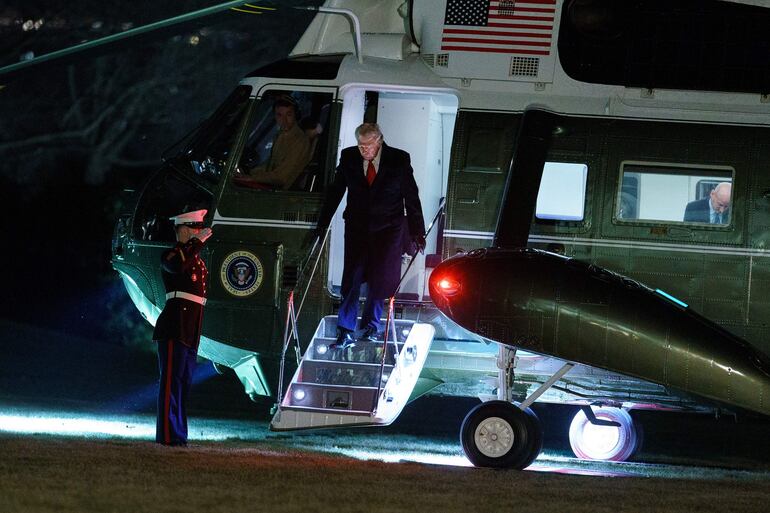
(382, 199)
(178, 330)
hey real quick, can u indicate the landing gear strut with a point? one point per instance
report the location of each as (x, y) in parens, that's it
(502, 434)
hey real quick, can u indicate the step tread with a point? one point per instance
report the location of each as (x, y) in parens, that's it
(330, 385)
(378, 342)
(343, 363)
(338, 411)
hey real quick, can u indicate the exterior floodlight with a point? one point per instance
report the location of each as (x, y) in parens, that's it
(321, 349)
(298, 394)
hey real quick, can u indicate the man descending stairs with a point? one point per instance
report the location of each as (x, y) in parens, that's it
(351, 386)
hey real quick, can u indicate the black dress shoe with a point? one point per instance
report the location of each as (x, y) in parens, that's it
(369, 335)
(345, 340)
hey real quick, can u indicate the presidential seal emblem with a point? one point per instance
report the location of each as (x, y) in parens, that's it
(241, 273)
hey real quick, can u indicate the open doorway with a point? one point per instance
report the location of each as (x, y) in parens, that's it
(417, 121)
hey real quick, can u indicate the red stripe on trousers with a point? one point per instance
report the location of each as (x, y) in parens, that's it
(167, 402)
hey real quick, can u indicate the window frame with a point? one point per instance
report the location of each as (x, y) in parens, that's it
(668, 166)
(258, 96)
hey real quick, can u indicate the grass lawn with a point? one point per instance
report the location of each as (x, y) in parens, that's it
(57, 474)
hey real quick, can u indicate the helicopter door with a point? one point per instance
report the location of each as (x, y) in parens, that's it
(421, 124)
(479, 167)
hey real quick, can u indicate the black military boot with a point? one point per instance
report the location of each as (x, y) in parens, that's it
(370, 334)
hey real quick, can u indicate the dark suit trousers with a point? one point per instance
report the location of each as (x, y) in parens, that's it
(177, 364)
(348, 313)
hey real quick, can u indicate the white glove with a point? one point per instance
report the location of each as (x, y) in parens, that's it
(204, 234)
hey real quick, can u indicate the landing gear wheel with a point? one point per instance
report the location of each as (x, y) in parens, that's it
(605, 443)
(498, 434)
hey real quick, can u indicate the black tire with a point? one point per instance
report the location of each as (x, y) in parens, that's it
(497, 434)
(639, 437)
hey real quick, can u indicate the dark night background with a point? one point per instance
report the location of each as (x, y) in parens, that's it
(74, 135)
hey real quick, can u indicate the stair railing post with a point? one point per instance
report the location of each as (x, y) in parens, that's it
(290, 329)
(388, 320)
(294, 331)
(287, 333)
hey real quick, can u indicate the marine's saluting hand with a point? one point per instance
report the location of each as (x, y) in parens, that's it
(204, 234)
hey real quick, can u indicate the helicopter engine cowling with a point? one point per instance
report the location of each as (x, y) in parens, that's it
(553, 305)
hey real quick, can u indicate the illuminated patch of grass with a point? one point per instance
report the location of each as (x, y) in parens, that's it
(44, 474)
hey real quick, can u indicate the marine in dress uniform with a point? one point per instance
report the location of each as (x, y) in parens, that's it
(178, 330)
(381, 187)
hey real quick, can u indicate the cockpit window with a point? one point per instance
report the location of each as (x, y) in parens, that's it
(213, 142)
(186, 181)
(675, 194)
(286, 142)
(167, 194)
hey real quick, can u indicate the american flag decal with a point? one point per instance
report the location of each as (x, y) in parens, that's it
(517, 27)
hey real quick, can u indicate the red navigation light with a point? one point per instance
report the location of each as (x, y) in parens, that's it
(448, 286)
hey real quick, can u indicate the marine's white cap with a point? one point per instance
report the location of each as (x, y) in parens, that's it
(194, 218)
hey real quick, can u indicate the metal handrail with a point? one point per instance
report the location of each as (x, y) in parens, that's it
(389, 317)
(355, 25)
(315, 267)
(440, 211)
(290, 327)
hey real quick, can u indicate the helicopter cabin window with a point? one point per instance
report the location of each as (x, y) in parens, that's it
(671, 193)
(286, 142)
(562, 194)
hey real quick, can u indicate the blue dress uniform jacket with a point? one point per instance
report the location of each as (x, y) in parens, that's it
(177, 334)
(183, 271)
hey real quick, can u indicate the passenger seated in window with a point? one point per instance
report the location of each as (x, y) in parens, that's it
(289, 154)
(713, 210)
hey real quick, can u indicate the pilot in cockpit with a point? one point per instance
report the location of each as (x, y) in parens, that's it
(289, 155)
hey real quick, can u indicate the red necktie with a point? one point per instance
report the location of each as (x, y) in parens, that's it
(370, 173)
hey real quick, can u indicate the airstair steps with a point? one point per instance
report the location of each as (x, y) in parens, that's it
(335, 388)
